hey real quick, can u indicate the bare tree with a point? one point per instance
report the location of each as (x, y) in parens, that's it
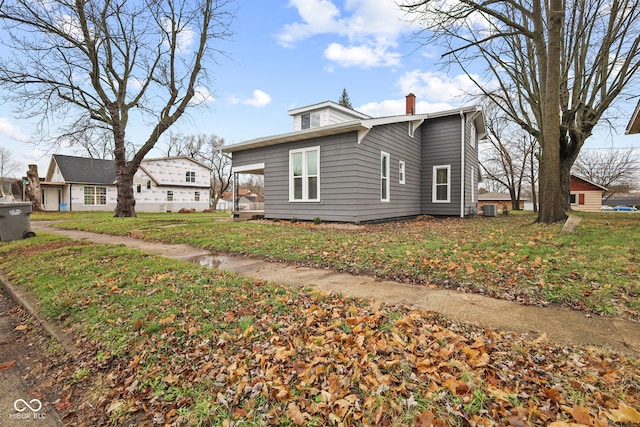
(555, 68)
(507, 154)
(111, 64)
(614, 169)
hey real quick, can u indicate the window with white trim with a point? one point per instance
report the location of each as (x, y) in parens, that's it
(441, 184)
(196, 196)
(169, 196)
(473, 134)
(310, 120)
(384, 176)
(401, 172)
(191, 177)
(94, 196)
(304, 175)
(473, 184)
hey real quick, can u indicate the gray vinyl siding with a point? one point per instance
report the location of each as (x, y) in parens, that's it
(338, 178)
(404, 199)
(441, 139)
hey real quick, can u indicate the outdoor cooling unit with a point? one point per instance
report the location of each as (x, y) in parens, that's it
(490, 210)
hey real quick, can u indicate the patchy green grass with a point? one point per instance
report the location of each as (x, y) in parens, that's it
(168, 342)
(509, 257)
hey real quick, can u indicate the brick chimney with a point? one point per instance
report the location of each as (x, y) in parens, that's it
(411, 104)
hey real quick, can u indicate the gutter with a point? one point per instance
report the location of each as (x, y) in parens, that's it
(462, 163)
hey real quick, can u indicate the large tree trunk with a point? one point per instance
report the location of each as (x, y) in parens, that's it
(126, 202)
(33, 190)
(552, 204)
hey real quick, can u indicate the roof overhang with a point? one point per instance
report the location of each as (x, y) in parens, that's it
(360, 126)
(351, 126)
(634, 123)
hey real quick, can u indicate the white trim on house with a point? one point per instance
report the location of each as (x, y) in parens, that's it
(434, 190)
(402, 172)
(305, 175)
(256, 167)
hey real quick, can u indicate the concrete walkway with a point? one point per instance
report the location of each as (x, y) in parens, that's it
(560, 325)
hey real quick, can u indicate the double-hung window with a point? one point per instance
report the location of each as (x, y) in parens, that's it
(169, 195)
(304, 175)
(384, 176)
(191, 177)
(441, 184)
(95, 196)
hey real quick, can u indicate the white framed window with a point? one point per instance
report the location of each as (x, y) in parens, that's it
(473, 134)
(304, 175)
(149, 184)
(169, 196)
(473, 184)
(139, 188)
(94, 196)
(401, 172)
(191, 177)
(310, 120)
(441, 192)
(196, 196)
(384, 176)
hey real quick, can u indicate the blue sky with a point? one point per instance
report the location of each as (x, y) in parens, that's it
(291, 53)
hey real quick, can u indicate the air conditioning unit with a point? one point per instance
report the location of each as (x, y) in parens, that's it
(490, 209)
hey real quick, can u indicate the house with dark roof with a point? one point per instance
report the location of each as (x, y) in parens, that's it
(160, 185)
(341, 165)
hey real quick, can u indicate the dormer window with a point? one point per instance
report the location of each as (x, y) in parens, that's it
(310, 120)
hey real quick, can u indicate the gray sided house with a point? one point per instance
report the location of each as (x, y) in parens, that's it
(341, 165)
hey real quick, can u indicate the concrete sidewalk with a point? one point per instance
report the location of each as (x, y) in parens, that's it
(560, 325)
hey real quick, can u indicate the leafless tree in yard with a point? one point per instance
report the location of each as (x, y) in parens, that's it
(616, 170)
(553, 67)
(506, 154)
(8, 166)
(112, 65)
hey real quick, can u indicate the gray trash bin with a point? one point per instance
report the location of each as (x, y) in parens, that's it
(15, 221)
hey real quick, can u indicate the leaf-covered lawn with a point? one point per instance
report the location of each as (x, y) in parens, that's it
(509, 257)
(166, 342)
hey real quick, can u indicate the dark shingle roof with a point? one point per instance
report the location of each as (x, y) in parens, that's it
(86, 171)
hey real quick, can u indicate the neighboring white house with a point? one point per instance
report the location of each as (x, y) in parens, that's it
(160, 185)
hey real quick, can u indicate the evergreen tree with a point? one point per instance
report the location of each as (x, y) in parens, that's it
(344, 99)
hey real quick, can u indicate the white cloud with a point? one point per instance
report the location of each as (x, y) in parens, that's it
(185, 35)
(361, 56)
(260, 99)
(370, 26)
(437, 87)
(395, 107)
(202, 95)
(9, 130)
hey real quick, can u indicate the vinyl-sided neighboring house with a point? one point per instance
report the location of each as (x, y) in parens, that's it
(634, 122)
(342, 165)
(160, 185)
(586, 196)
(500, 199)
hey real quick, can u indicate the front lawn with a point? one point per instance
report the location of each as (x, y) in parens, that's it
(168, 342)
(509, 257)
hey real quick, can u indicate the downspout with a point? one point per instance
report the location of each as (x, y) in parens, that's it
(70, 197)
(462, 163)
